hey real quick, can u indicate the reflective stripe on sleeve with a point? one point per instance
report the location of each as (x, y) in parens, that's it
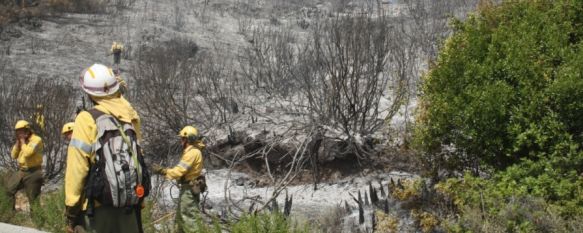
(184, 165)
(81, 145)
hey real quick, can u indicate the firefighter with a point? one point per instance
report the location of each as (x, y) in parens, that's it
(27, 151)
(189, 175)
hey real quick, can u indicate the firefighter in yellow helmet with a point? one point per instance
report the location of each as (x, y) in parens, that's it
(105, 138)
(188, 174)
(27, 151)
(116, 50)
(67, 131)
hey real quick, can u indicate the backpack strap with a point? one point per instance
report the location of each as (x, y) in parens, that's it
(95, 113)
(134, 154)
(88, 189)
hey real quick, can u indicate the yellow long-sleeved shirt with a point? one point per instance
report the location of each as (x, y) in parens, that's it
(29, 155)
(190, 165)
(80, 151)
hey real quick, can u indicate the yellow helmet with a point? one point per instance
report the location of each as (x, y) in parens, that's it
(22, 124)
(68, 127)
(189, 133)
(116, 46)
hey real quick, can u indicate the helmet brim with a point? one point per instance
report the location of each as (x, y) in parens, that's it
(96, 93)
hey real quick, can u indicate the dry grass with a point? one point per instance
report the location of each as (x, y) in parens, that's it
(386, 222)
(331, 220)
(426, 221)
(410, 189)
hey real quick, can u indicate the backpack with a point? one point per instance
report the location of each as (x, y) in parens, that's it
(119, 176)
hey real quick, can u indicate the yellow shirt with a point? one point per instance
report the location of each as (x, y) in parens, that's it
(29, 155)
(190, 165)
(80, 150)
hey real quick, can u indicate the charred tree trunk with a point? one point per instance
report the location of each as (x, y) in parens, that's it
(314, 148)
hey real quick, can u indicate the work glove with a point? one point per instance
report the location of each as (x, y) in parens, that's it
(157, 169)
(74, 220)
(123, 86)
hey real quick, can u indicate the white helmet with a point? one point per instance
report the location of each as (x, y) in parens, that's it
(98, 80)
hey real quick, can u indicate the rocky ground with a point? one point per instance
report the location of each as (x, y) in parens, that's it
(7, 228)
(233, 187)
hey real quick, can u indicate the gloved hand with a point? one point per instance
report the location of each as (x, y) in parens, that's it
(73, 220)
(157, 169)
(122, 83)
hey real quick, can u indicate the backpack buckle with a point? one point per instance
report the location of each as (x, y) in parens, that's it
(139, 190)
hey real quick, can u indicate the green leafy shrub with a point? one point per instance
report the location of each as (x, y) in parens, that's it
(505, 99)
(498, 206)
(506, 87)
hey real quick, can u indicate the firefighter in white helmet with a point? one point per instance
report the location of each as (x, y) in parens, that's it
(102, 87)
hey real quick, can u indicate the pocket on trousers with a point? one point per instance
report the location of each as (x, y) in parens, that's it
(198, 185)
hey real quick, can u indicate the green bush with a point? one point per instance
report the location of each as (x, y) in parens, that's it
(507, 87)
(495, 206)
(51, 214)
(505, 98)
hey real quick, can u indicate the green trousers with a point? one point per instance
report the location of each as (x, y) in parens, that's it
(109, 219)
(30, 181)
(188, 209)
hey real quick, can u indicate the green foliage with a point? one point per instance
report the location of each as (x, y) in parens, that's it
(505, 97)
(267, 223)
(50, 215)
(6, 213)
(495, 205)
(507, 87)
(262, 222)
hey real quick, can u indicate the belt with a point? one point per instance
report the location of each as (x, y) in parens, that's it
(30, 169)
(184, 181)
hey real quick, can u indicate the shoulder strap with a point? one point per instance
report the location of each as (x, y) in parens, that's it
(95, 113)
